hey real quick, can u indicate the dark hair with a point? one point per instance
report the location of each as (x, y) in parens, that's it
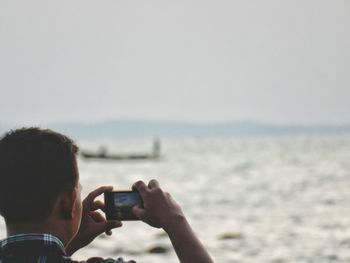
(36, 165)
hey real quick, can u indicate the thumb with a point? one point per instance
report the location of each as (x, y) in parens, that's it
(138, 211)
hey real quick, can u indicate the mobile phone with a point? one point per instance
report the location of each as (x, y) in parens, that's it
(119, 204)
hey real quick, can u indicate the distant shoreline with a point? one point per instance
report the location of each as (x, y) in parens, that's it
(150, 129)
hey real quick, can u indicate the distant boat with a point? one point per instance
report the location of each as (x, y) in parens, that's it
(102, 154)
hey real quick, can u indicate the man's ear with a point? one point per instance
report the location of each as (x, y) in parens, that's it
(67, 203)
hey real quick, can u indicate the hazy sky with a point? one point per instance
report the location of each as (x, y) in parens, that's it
(271, 61)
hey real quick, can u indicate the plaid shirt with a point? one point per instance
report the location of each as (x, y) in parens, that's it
(40, 248)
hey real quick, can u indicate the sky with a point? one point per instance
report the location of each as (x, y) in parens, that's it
(279, 62)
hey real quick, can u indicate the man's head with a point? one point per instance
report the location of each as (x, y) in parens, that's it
(38, 168)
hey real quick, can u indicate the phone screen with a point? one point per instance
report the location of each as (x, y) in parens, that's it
(119, 204)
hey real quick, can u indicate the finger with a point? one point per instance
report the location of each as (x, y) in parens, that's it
(138, 211)
(153, 184)
(107, 226)
(91, 197)
(97, 205)
(141, 187)
(97, 217)
(111, 224)
(102, 225)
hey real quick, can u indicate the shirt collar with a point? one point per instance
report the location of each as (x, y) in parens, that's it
(44, 241)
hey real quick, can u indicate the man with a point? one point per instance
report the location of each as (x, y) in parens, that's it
(46, 220)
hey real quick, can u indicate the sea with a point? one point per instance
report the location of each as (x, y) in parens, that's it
(250, 199)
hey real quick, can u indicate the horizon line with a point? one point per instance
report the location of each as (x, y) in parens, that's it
(177, 122)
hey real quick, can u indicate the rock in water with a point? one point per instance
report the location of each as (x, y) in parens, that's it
(226, 236)
(157, 250)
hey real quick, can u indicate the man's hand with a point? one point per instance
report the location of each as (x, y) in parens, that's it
(93, 223)
(160, 209)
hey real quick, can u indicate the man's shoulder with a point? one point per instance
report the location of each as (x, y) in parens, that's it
(54, 259)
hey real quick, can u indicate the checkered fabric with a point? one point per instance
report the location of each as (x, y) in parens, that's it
(40, 248)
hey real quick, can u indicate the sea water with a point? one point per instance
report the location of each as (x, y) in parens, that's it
(250, 199)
